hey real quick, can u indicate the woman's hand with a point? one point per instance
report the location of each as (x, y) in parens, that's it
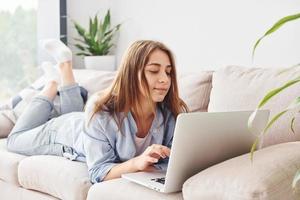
(151, 156)
(143, 162)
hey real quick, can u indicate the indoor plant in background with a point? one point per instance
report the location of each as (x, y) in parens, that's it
(96, 43)
(293, 105)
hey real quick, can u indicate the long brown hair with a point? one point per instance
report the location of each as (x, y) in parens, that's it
(124, 94)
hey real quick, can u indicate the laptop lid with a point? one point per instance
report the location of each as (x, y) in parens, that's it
(204, 139)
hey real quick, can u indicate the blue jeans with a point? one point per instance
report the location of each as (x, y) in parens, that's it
(35, 133)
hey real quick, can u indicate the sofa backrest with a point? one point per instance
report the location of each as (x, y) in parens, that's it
(194, 89)
(240, 88)
(94, 80)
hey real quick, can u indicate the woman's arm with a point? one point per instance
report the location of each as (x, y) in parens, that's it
(99, 153)
(143, 162)
(118, 170)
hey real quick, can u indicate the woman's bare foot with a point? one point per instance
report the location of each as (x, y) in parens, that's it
(49, 90)
(66, 72)
(51, 73)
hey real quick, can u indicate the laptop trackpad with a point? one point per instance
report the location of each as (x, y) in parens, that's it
(146, 178)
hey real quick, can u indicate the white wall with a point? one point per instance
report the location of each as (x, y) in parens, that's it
(202, 34)
(47, 25)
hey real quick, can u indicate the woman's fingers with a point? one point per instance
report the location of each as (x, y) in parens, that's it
(151, 159)
(153, 150)
(155, 155)
(160, 150)
(167, 150)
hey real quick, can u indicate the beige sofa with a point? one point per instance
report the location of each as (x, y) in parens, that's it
(231, 88)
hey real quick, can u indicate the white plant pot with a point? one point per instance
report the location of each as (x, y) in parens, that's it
(103, 63)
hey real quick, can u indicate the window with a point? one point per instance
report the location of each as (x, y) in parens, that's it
(18, 52)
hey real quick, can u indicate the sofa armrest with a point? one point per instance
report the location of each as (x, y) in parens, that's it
(269, 177)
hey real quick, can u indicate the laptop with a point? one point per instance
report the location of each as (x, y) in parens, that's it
(201, 140)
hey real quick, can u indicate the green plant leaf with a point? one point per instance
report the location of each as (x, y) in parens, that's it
(90, 25)
(108, 39)
(274, 92)
(251, 120)
(292, 125)
(83, 54)
(275, 27)
(253, 148)
(274, 119)
(79, 40)
(104, 48)
(95, 26)
(106, 51)
(80, 47)
(81, 31)
(288, 69)
(91, 43)
(106, 22)
(296, 179)
(113, 30)
(100, 33)
(295, 103)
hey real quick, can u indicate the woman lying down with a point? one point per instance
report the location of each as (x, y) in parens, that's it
(127, 129)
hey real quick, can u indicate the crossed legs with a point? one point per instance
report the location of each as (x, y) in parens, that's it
(33, 128)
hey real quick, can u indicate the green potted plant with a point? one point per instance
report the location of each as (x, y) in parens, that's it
(295, 103)
(95, 44)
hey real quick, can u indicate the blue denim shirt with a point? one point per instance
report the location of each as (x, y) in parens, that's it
(104, 146)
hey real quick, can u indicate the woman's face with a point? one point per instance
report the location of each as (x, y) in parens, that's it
(158, 75)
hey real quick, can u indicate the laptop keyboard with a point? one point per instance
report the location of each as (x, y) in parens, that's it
(159, 180)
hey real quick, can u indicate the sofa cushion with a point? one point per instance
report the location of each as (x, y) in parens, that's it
(119, 189)
(56, 176)
(194, 89)
(269, 177)
(12, 192)
(94, 80)
(9, 163)
(240, 88)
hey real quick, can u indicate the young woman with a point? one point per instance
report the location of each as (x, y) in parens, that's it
(128, 128)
